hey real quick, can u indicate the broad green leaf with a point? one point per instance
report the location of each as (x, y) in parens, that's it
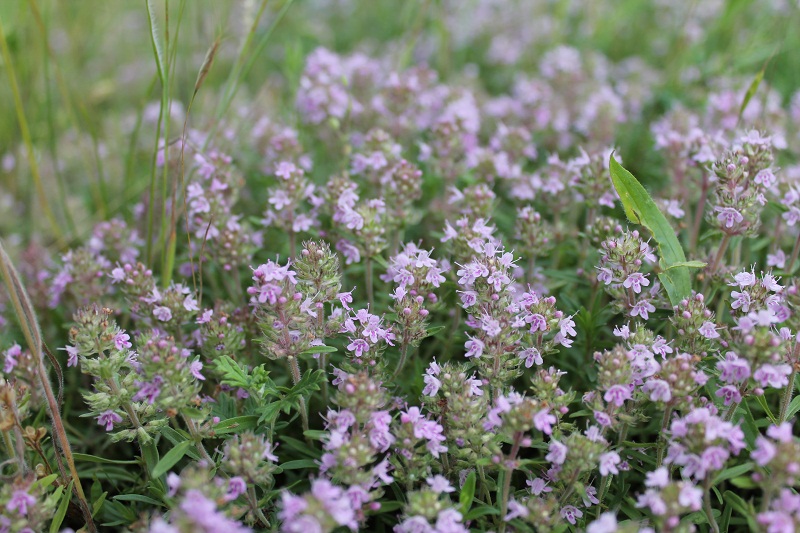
(61, 512)
(98, 504)
(793, 408)
(171, 458)
(641, 209)
(232, 374)
(467, 493)
(482, 510)
(46, 481)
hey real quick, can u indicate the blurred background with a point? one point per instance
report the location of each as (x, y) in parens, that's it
(87, 85)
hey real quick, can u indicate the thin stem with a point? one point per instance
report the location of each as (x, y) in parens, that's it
(712, 522)
(484, 485)
(662, 436)
(795, 252)
(368, 282)
(787, 394)
(698, 215)
(403, 357)
(294, 367)
(253, 502)
(723, 246)
(508, 471)
(198, 440)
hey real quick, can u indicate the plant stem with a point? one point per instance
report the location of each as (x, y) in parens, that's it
(508, 471)
(294, 367)
(403, 357)
(707, 506)
(787, 394)
(795, 252)
(368, 282)
(198, 440)
(484, 485)
(661, 436)
(723, 246)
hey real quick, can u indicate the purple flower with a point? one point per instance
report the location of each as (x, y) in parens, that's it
(474, 347)
(358, 346)
(20, 501)
(642, 308)
(617, 394)
(195, 369)
(658, 389)
(636, 281)
(72, 355)
(148, 390)
(729, 216)
(531, 356)
(557, 453)
(708, 330)
(775, 376)
(765, 451)
(730, 394)
(122, 340)
(439, 484)
(543, 421)
(608, 463)
(108, 419)
(236, 487)
(11, 358)
(606, 523)
(571, 514)
(162, 313)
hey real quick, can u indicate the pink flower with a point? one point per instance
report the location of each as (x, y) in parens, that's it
(658, 389)
(440, 484)
(642, 308)
(474, 347)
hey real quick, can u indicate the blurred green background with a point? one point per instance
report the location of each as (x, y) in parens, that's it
(87, 80)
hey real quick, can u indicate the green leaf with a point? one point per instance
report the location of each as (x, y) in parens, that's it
(98, 504)
(319, 349)
(743, 508)
(688, 264)
(61, 512)
(139, 498)
(86, 458)
(45, 481)
(299, 464)
(434, 330)
(171, 458)
(232, 374)
(482, 510)
(732, 472)
(751, 90)
(236, 424)
(641, 209)
(467, 493)
(794, 406)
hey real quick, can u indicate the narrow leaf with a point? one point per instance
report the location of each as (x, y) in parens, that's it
(467, 493)
(61, 512)
(641, 209)
(171, 458)
(751, 91)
